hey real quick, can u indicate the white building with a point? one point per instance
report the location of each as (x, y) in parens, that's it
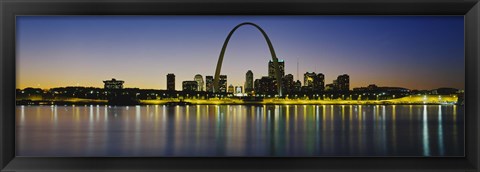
(199, 80)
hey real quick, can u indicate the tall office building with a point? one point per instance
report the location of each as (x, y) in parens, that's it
(171, 82)
(199, 80)
(249, 81)
(288, 83)
(308, 79)
(209, 83)
(343, 82)
(271, 68)
(222, 84)
(320, 82)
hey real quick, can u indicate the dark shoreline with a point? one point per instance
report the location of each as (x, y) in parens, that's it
(67, 103)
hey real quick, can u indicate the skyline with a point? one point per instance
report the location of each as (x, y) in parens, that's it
(55, 51)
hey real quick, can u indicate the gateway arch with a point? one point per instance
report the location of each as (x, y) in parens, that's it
(270, 47)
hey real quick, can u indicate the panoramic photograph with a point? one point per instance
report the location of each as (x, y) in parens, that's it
(240, 86)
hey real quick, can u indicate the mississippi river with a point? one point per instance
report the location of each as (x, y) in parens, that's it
(240, 130)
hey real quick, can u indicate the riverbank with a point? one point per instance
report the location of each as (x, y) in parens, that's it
(414, 99)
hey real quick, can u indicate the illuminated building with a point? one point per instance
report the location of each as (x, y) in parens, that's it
(189, 86)
(271, 68)
(113, 84)
(171, 82)
(209, 83)
(238, 89)
(249, 81)
(230, 89)
(199, 80)
(222, 84)
(314, 82)
(308, 79)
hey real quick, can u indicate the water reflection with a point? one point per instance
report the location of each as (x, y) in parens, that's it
(231, 130)
(440, 131)
(426, 144)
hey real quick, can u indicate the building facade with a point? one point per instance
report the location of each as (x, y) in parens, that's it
(271, 68)
(222, 84)
(308, 79)
(343, 82)
(171, 82)
(330, 87)
(320, 82)
(209, 83)
(231, 89)
(189, 86)
(288, 83)
(265, 85)
(199, 80)
(113, 84)
(249, 82)
(314, 82)
(297, 86)
(238, 89)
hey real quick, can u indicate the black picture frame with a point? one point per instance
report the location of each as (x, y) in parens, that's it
(11, 8)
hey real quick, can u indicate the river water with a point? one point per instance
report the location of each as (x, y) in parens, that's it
(239, 130)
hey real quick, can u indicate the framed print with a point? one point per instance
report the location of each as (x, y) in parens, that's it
(183, 86)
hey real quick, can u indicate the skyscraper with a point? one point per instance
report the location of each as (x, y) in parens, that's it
(209, 83)
(249, 81)
(320, 82)
(222, 84)
(343, 82)
(271, 68)
(199, 80)
(288, 83)
(171, 82)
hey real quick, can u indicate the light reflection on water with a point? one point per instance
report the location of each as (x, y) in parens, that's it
(236, 130)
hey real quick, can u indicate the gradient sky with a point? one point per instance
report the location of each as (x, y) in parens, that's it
(416, 52)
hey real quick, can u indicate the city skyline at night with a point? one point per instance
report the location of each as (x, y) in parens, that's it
(415, 52)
